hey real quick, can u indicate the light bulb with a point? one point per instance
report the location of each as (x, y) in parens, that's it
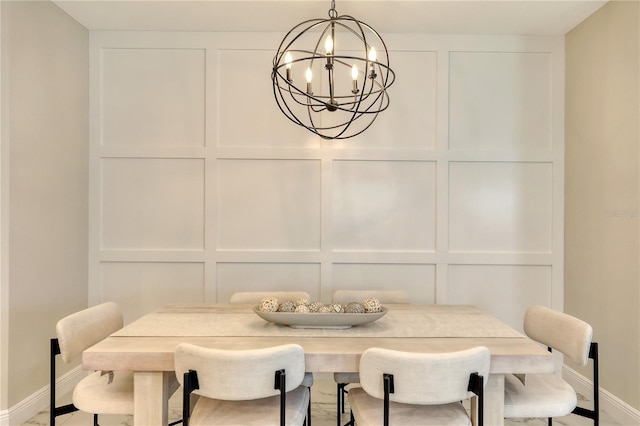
(372, 59)
(308, 75)
(287, 62)
(354, 76)
(372, 54)
(328, 45)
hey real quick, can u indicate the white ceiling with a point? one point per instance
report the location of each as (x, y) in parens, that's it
(546, 17)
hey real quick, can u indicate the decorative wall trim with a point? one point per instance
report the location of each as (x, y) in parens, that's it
(39, 400)
(382, 210)
(619, 410)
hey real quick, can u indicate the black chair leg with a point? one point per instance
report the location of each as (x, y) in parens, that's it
(338, 401)
(595, 413)
(352, 420)
(95, 420)
(308, 419)
(341, 392)
(53, 410)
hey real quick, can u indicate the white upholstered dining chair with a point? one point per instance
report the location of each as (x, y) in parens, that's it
(421, 389)
(549, 395)
(100, 392)
(343, 379)
(243, 387)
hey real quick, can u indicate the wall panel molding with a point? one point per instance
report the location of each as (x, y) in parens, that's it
(409, 204)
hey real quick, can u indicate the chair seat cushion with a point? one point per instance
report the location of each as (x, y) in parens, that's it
(542, 395)
(265, 411)
(346, 377)
(368, 410)
(94, 393)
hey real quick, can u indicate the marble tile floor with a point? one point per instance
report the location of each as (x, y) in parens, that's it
(323, 398)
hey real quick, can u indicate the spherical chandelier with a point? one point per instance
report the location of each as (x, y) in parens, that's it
(331, 76)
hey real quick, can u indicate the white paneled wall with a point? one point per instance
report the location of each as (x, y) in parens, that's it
(384, 206)
(152, 203)
(502, 207)
(518, 87)
(200, 186)
(141, 88)
(268, 205)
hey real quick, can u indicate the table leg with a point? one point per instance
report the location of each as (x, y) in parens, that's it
(151, 392)
(494, 400)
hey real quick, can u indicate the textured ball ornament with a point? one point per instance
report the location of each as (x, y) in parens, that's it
(324, 309)
(336, 308)
(302, 309)
(304, 302)
(270, 304)
(287, 306)
(315, 306)
(372, 305)
(353, 308)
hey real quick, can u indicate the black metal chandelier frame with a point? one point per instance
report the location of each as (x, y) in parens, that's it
(363, 102)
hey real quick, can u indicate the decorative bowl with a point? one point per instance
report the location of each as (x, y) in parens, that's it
(318, 320)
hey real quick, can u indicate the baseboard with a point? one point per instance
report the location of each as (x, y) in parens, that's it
(39, 400)
(619, 410)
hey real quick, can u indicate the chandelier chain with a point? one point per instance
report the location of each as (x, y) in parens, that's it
(333, 13)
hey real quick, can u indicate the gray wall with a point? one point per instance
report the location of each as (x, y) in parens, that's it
(602, 190)
(46, 112)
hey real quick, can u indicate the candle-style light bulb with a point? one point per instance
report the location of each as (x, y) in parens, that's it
(372, 59)
(328, 45)
(328, 49)
(287, 61)
(309, 76)
(372, 54)
(354, 76)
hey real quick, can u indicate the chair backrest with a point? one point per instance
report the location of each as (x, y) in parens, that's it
(423, 378)
(237, 375)
(560, 331)
(257, 296)
(85, 328)
(384, 296)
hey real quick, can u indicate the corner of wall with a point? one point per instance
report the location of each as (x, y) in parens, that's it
(4, 211)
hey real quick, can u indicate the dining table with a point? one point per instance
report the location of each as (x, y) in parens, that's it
(146, 346)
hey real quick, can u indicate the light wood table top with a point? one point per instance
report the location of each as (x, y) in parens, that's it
(147, 345)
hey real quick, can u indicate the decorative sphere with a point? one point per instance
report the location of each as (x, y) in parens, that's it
(354, 308)
(304, 302)
(372, 305)
(287, 306)
(315, 306)
(324, 309)
(336, 308)
(302, 309)
(269, 304)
